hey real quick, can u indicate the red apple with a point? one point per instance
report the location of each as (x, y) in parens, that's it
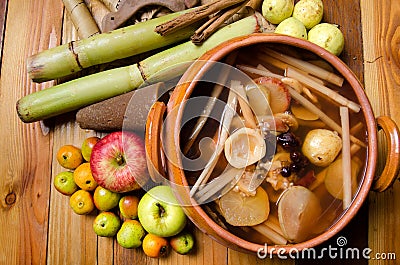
(118, 162)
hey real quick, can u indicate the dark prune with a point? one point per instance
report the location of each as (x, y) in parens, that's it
(295, 167)
(296, 156)
(288, 141)
(286, 172)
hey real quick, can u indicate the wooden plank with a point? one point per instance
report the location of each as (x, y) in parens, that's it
(381, 34)
(347, 15)
(3, 13)
(26, 156)
(71, 236)
(238, 258)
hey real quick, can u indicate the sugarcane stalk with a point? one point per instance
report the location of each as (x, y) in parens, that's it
(81, 18)
(112, 5)
(90, 89)
(98, 10)
(102, 48)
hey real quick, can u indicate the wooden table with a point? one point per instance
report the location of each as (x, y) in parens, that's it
(36, 223)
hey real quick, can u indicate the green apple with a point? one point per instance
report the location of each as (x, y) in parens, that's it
(64, 183)
(128, 206)
(105, 199)
(182, 243)
(106, 224)
(131, 234)
(87, 146)
(160, 213)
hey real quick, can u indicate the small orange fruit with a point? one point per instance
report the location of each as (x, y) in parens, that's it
(69, 156)
(83, 177)
(154, 246)
(81, 202)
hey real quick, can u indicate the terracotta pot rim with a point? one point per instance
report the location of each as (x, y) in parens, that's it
(221, 51)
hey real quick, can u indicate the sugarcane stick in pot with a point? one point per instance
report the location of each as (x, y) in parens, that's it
(90, 89)
(81, 18)
(72, 57)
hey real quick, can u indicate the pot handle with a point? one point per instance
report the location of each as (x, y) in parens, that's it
(154, 151)
(392, 166)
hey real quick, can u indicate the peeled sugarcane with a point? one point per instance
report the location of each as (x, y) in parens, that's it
(93, 88)
(98, 10)
(81, 18)
(74, 56)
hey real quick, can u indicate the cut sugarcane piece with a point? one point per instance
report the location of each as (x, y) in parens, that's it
(162, 66)
(346, 154)
(218, 184)
(306, 66)
(227, 116)
(263, 71)
(247, 112)
(291, 72)
(267, 230)
(217, 89)
(260, 72)
(266, 59)
(299, 87)
(325, 118)
(259, 99)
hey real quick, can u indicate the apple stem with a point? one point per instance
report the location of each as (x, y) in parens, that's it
(120, 159)
(161, 209)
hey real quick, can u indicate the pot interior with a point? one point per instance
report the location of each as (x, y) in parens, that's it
(293, 217)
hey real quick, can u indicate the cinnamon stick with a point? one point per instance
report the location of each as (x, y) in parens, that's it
(202, 34)
(197, 14)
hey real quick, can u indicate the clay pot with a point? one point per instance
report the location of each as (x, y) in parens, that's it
(172, 143)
